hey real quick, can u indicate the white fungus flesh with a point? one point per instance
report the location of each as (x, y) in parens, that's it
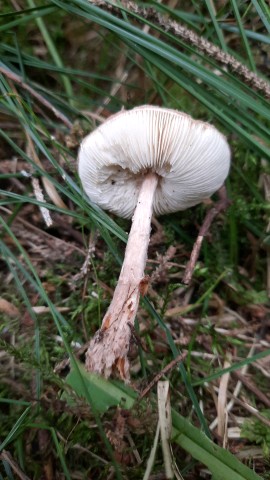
(190, 157)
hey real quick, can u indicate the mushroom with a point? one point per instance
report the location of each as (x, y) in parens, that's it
(139, 162)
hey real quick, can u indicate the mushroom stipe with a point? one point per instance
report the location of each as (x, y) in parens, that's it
(139, 162)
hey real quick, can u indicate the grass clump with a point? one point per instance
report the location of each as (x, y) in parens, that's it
(257, 432)
(65, 67)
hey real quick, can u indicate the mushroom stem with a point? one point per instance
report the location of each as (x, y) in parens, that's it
(109, 348)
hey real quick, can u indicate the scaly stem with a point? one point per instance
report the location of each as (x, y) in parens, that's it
(109, 348)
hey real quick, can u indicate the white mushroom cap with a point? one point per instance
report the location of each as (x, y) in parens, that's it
(191, 158)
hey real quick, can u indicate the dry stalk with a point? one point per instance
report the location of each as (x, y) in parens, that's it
(222, 416)
(40, 197)
(266, 187)
(180, 358)
(236, 391)
(248, 384)
(221, 205)
(5, 456)
(201, 43)
(17, 79)
(121, 74)
(31, 152)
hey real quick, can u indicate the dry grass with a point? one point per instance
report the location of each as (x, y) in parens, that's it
(59, 266)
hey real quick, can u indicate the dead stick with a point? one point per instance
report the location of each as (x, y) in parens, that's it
(250, 409)
(253, 388)
(219, 207)
(162, 372)
(5, 456)
(17, 79)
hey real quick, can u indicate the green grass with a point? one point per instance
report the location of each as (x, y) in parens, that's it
(60, 61)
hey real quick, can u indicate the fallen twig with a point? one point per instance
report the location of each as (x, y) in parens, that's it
(6, 457)
(17, 79)
(218, 207)
(162, 372)
(253, 388)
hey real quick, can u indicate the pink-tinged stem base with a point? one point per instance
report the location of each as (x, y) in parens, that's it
(109, 348)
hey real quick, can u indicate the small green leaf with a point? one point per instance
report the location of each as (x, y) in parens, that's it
(104, 394)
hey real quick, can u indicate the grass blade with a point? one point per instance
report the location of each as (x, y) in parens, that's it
(221, 463)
